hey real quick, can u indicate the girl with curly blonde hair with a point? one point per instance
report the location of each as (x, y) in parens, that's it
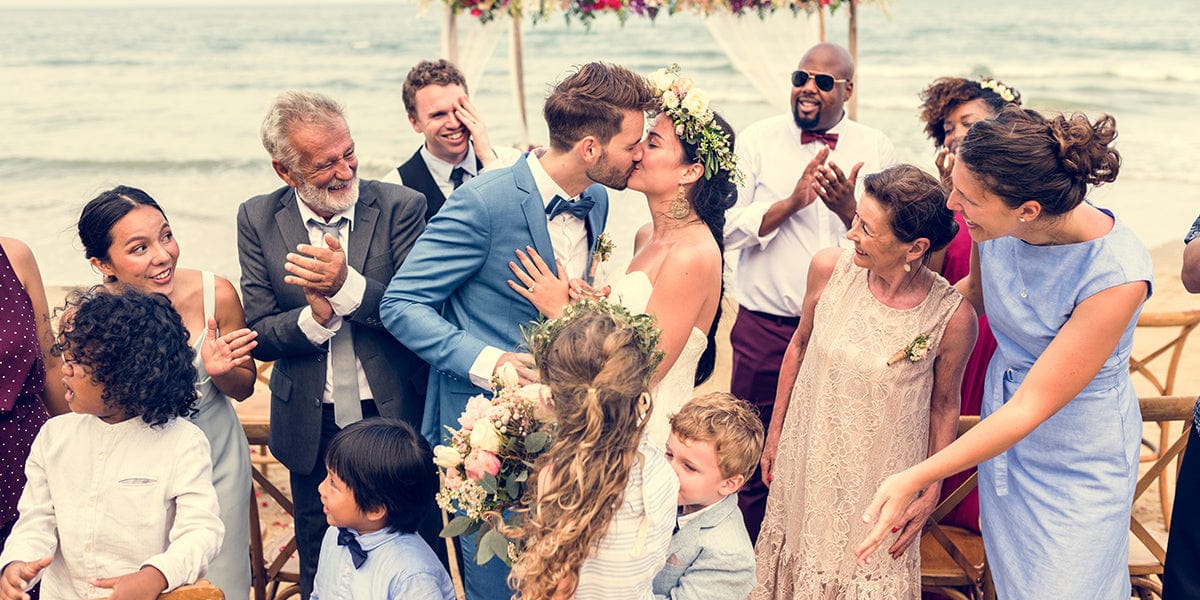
(600, 507)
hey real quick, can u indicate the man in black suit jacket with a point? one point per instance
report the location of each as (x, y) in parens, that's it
(456, 144)
(316, 256)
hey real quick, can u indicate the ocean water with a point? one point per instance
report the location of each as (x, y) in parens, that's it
(169, 98)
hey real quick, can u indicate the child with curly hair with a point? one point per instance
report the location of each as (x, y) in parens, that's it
(600, 506)
(120, 500)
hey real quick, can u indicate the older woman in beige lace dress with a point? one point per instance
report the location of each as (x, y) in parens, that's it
(869, 386)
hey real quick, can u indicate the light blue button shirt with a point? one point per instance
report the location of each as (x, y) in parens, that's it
(399, 565)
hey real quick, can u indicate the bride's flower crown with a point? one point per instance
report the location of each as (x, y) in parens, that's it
(1006, 93)
(687, 106)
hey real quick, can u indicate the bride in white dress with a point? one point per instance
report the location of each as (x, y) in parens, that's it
(676, 270)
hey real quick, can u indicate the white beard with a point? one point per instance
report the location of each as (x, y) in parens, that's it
(321, 200)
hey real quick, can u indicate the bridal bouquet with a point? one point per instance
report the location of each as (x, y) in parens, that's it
(487, 461)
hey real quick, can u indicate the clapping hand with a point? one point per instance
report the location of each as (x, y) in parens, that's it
(945, 165)
(837, 190)
(17, 575)
(538, 284)
(805, 192)
(322, 310)
(224, 353)
(144, 584)
(322, 270)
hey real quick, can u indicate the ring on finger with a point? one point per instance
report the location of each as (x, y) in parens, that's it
(532, 287)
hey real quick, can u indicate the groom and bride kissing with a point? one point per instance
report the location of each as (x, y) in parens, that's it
(513, 244)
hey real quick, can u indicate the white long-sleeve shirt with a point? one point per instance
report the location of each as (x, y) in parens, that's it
(772, 269)
(106, 500)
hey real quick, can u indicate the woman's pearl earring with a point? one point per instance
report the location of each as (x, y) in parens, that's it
(907, 268)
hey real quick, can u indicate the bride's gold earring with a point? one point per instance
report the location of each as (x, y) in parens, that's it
(679, 208)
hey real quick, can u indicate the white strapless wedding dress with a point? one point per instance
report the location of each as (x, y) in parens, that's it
(632, 290)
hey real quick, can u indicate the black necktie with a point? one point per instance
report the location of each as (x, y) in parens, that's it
(357, 554)
(456, 176)
(580, 208)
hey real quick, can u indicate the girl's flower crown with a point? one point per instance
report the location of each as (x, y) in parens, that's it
(541, 335)
(1006, 93)
(687, 106)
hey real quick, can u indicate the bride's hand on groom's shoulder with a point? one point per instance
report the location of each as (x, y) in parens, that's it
(538, 284)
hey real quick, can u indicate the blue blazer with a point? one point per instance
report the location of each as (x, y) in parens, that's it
(451, 298)
(710, 557)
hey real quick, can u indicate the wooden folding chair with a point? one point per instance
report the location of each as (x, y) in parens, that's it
(1147, 548)
(1162, 377)
(201, 590)
(953, 563)
(267, 580)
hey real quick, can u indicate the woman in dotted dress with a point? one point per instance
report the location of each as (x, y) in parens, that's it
(26, 393)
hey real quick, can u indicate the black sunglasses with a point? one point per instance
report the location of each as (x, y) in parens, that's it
(824, 81)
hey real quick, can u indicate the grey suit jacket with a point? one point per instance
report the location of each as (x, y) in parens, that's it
(710, 557)
(387, 220)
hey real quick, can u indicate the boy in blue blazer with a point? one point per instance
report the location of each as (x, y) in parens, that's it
(716, 441)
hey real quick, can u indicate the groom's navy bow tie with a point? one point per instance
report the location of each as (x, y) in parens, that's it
(580, 208)
(357, 554)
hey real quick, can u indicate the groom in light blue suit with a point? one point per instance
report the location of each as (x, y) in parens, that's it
(451, 302)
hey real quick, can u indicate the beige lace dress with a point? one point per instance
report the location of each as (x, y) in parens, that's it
(852, 421)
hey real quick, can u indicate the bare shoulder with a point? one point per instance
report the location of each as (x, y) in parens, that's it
(21, 258)
(642, 236)
(823, 263)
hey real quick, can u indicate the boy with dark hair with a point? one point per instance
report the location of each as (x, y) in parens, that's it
(380, 480)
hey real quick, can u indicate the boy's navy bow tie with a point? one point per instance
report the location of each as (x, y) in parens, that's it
(357, 554)
(580, 208)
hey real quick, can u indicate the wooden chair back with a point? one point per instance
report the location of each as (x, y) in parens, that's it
(1147, 545)
(953, 562)
(1166, 350)
(201, 590)
(267, 579)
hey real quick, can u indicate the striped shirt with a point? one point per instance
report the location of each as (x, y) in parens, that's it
(639, 536)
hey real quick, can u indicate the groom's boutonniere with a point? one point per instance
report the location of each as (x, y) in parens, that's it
(603, 251)
(916, 350)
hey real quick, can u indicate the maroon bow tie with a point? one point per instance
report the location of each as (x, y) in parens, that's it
(829, 139)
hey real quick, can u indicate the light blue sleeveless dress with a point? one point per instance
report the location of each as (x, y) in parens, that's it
(230, 570)
(1055, 507)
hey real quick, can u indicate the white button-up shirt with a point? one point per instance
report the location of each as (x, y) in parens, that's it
(772, 269)
(106, 500)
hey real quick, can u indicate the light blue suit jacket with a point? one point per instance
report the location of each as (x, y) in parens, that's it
(451, 298)
(710, 557)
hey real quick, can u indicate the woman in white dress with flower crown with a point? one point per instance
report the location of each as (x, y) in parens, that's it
(687, 173)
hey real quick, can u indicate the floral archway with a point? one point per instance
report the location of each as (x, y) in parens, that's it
(750, 43)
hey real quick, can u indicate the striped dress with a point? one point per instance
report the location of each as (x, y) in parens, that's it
(639, 536)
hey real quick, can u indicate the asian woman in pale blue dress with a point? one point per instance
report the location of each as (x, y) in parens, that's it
(1062, 283)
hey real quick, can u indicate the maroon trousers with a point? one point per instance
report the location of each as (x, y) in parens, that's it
(759, 341)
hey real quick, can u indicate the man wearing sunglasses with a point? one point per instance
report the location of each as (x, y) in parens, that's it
(797, 198)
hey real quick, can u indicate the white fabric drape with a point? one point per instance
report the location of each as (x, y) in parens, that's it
(469, 44)
(765, 51)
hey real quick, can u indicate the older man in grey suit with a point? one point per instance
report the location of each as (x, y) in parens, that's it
(316, 256)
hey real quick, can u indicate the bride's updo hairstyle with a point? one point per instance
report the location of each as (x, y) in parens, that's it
(710, 197)
(1021, 155)
(916, 205)
(597, 361)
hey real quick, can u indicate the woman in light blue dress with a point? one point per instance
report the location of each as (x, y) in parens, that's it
(127, 237)
(1062, 283)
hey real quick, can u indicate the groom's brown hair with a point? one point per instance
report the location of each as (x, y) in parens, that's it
(591, 101)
